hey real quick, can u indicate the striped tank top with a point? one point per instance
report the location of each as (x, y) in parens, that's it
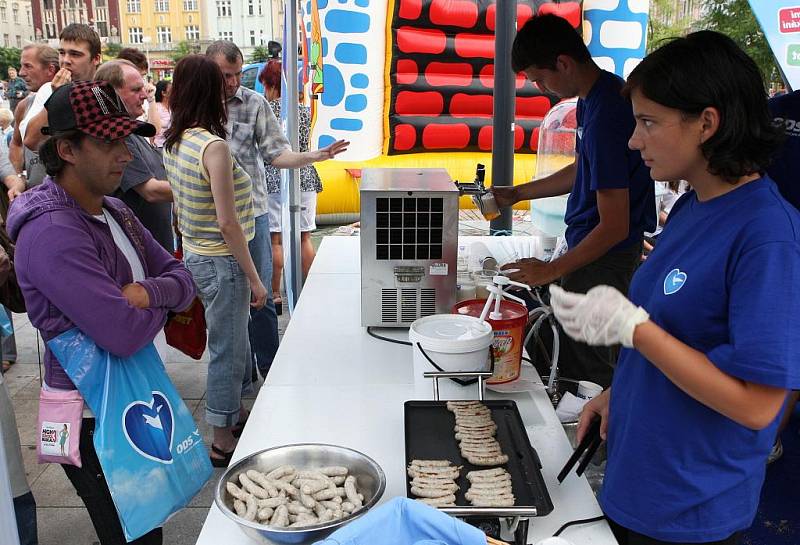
(194, 203)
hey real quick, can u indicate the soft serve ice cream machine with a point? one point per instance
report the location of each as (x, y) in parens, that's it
(409, 245)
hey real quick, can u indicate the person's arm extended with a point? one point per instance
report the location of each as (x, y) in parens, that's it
(15, 152)
(33, 134)
(613, 206)
(154, 191)
(275, 148)
(293, 159)
(217, 161)
(557, 183)
(751, 405)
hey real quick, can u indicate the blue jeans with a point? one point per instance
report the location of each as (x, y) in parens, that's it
(25, 513)
(225, 292)
(264, 321)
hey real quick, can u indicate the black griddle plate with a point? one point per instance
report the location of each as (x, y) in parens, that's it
(430, 436)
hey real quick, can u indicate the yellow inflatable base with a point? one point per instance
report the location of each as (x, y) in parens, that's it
(339, 200)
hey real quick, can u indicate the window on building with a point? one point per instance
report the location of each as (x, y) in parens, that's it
(48, 4)
(15, 13)
(135, 35)
(251, 9)
(223, 8)
(28, 13)
(192, 32)
(252, 37)
(134, 6)
(226, 35)
(164, 34)
(3, 14)
(189, 5)
(162, 5)
(19, 41)
(5, 41)
(101, 3)
(102, 28)
(50, 30)
(260, 8)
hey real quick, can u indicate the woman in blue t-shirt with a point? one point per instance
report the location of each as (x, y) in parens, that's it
(710, 331)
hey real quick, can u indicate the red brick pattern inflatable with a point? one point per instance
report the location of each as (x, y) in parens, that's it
(442, 76)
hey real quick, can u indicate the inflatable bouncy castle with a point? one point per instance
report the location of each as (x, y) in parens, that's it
(410, 83)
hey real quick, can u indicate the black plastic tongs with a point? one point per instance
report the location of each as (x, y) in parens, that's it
(589, 445)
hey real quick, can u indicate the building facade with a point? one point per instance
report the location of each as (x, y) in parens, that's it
(157, 26)
(16, 24)
(51, 16)
(247, 23)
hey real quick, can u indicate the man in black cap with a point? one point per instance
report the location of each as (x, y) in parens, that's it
(84, 260)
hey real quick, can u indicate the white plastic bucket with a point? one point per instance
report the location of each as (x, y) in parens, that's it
(455, 343)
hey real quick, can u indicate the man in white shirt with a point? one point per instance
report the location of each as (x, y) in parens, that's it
(38, 67)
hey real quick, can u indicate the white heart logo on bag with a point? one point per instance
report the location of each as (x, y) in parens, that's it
(148, 427)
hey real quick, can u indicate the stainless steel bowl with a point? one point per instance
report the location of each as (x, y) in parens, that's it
(370, 477)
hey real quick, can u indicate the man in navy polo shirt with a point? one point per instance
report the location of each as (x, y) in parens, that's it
(785, 110)
(612, 200)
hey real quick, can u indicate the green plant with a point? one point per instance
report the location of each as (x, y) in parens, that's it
(9, 56)
(735, 19)
(259, 54)
(185, 48)
(111, 50)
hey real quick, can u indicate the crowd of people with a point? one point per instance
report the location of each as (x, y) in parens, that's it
(102, 163)
(695, 346)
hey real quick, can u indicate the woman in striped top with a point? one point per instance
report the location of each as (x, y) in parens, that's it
(214, 210)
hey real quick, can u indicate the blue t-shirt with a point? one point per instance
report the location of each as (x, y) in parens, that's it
(723, 280)
(785, 167)
(605, 124)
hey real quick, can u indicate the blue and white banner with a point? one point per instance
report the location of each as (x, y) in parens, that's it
(780, 21)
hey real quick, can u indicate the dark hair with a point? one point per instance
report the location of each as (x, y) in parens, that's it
(135, 56)
(77, 32)
(270, 76)
(542, 40)
(227, 49)
(48, 151)
(161, 88)
(707, 69)
(274, 49)
(195, 105)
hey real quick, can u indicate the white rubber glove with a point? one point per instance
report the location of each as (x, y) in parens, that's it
(602, 317)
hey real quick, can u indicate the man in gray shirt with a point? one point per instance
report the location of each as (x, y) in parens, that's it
(144, 186)
(255, 138)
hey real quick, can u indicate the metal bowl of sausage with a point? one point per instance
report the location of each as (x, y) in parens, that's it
(370, 482)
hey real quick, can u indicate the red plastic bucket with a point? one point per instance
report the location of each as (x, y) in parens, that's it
(509, 332)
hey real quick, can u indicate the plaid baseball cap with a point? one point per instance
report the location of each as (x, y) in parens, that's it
(93, 108)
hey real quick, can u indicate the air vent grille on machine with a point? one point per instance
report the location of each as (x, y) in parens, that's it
(389, 306)
(409, 227)
(413, 303)
(427, 305)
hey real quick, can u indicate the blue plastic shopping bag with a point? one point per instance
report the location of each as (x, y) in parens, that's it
(6, 329)
(148, 444)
